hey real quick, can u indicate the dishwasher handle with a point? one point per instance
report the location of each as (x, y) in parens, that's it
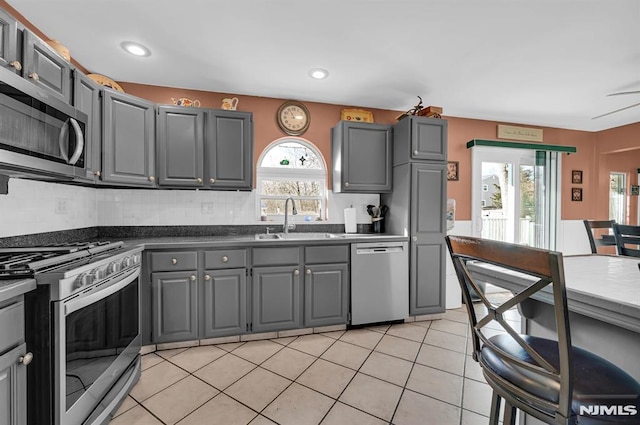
(379, 250)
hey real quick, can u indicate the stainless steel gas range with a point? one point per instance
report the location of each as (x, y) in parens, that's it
(83, 328)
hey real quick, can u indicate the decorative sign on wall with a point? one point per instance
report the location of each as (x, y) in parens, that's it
(576, 176)
(526, 134)
(635, 190)
(576, 194)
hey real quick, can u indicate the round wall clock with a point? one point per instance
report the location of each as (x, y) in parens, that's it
(293, 118)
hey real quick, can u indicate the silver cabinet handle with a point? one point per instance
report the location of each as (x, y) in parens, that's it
(192, 278)
(152, 179)
(346, 184)
(225, 259)
(26, 359)
(308, 271)
(415, 238)
(212, 181)
(79, 141)
(207, 277)
(416, 152)
(97, 173)
(296, 272)
(174, 261)
(199, 180)
(16, 64)
(34, 76)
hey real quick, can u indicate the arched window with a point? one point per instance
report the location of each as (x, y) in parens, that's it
(291, 167)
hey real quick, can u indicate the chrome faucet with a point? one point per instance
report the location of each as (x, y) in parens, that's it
(294, 211)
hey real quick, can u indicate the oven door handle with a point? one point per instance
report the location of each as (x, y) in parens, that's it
(99, 293)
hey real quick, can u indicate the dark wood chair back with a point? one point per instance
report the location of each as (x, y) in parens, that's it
(596, 240)
(627, 239)
(545, 268)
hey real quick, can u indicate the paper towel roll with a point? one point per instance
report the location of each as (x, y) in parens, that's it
(350, 220)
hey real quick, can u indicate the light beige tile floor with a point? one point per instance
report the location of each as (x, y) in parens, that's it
(400, 374)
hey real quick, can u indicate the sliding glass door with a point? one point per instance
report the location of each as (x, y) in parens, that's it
(515, 195)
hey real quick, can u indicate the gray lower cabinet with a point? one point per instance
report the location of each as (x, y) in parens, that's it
(224, 303)
(86, 98)
(174, 306)
(128, 140)
(44, 67)
(275, 298)
(326, 294)
(362, 154)
(13, 361)
(9, 42)
(13, 387)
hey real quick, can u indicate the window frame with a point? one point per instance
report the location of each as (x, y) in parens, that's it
(286, 174)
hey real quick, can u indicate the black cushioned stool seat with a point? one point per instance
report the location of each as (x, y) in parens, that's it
(596, 381)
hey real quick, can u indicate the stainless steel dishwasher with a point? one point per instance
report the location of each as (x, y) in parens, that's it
(379, 282)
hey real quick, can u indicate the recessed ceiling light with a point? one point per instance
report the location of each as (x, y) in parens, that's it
(135, 48)
(319, 73)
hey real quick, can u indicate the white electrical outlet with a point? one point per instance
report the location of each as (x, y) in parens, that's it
(206, 208)
(61, 206)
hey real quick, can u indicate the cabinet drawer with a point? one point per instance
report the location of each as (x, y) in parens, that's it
(225, 259)
(274, 256)
(326, 254)
(170, 261)
(11, 325)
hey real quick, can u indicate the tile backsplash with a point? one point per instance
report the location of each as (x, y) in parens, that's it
(35, 207)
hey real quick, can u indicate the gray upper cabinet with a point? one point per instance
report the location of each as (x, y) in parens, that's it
(361, 157)
(211, 149)
(86, 98)
(128, 140)
(9, 42)
(45, 67)
(229, 149)
(419, 138)
(180, 144)
(174, 309)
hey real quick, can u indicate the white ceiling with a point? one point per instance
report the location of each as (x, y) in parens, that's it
(537, 62)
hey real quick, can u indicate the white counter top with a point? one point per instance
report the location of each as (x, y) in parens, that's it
(599, 286)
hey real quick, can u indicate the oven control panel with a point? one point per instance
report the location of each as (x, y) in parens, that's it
(96, 270)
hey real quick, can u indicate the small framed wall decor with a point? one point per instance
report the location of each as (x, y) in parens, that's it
(576, 176)
(452, 170)
(576, 194)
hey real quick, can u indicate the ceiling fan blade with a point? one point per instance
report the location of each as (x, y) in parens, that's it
(624, 92)
(617, 110)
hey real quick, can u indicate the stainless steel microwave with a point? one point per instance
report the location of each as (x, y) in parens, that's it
(41, 136)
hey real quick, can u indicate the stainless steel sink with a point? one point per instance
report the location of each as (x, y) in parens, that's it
(268, 236)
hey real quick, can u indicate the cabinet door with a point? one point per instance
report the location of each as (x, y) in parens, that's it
(8, 41)
(13, 387)
(428, 228)
(86, 98)
(128, 138)
(275, 298)
(224, 303)
(229, 149)
(326, 295)
(429, 139)
(366, 157)
(45, 67)
(174, 306)
(180, 144)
